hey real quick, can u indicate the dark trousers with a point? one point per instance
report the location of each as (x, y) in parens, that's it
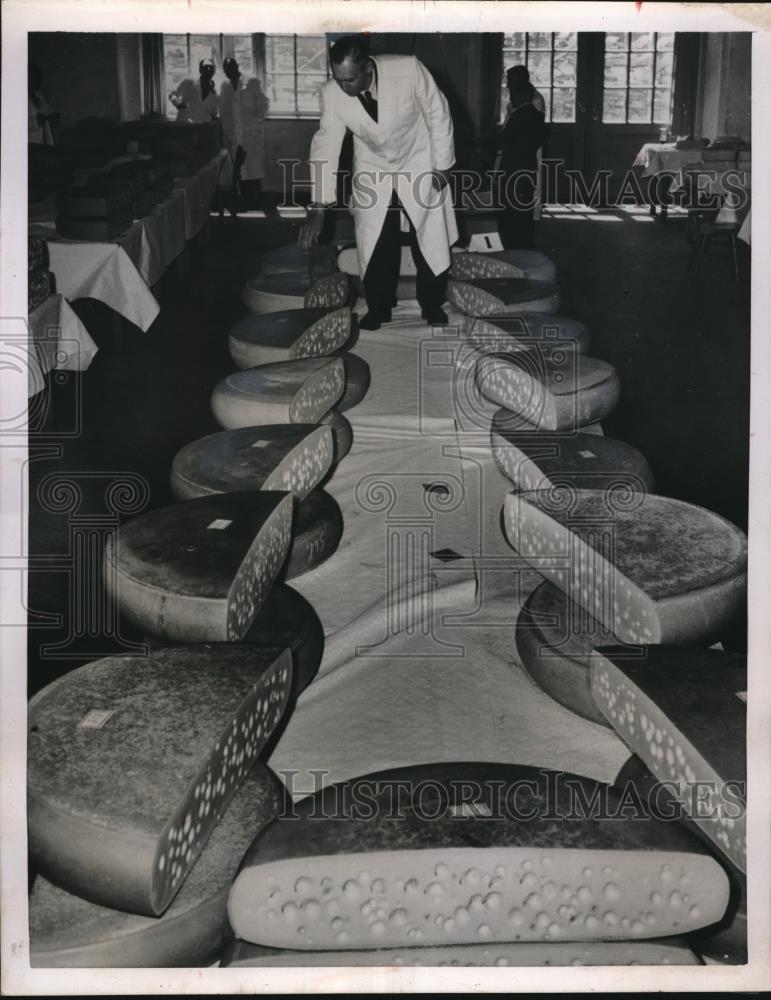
(382, 272)
(516, 225)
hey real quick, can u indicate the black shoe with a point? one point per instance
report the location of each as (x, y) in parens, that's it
(372, 320)
(435, 316)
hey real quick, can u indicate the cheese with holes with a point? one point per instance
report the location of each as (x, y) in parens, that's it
(277, 292)
(133, 759)
(289, 392)
(527, 332)
(553, 390)
(342, 433)
(291, 457)
(286, 619)
(67, 931)
(504, 264)
(667, 951)
(459, 854)
(357, 379)
(649, 568)
(683, 712)
(287, 336)
(554, 640)
(540, 461)
(502, 296)
(316, 533)
(199, 571)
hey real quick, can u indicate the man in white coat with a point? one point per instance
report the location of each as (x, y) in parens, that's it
(403, 150)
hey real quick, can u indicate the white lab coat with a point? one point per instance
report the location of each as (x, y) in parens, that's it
(242, 111)
(195, 109)
(412, 136)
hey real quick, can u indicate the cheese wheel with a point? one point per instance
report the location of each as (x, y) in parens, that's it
(554, 640)
(456, 854)
(40, 285)
(318, 261)
(73, 227)
(666, 951)
(37, 254)
(552, 391)
(541, 461)
(278, 292)
(357, 379)
(291, 457)
(92, 203)
(69, 932)
(650, 569)
(287, 336)
(502, 296)
(133, 759)
(316, 533)
(683, 712)
(286, 619)
(294, 392)
(199, 571)
(503, 264)
(342, 433)
(528, 331)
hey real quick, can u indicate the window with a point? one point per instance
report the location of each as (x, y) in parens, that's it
(182, 54)
(551, 58)
(637, 86)
(295, 68)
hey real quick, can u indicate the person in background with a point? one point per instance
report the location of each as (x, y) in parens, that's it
(41, 117)
(243, 106)
(197, 101)
(402, 153)
(521, 139)
(520, 75)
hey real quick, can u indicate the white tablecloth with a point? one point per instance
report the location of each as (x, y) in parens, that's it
(660, 157)
(198, 193)
(746, 229)
(58, 340)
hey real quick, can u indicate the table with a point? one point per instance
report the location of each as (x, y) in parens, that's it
(57, 340)
(660, 160)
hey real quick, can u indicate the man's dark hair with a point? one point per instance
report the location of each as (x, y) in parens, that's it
(355, 46)
(517, 74)
(519, 93)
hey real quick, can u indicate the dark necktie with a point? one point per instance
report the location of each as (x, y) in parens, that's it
(369, 103)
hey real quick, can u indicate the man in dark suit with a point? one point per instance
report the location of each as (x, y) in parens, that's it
(523, 135)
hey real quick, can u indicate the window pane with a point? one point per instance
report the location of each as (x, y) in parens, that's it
(539, 39)
(539, 64)
(279, 54)
(564, 68)
(665, 41)
(240, 47)
(308, 93)
(664, 62)
(515, 57)
(564, 105)
(280, 93)
(566, 40)
(640, 105)
(662, 106)
(615, 69)
(641, 69)
(642, 40)
(312, 54)
(614, 106)
(615, 40)
(516, 40)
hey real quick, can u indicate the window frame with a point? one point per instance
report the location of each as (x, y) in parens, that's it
(287, 115)
(551, 88)
(628, 51)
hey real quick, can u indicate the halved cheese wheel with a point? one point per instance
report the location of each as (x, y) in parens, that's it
(69, 932)
(502, 296)
(291, 457)
(683, 711)
(287, 336)
(318, 261)
(458, 854)
(290, 392)
(286, 619)
(666, 951)
(133, 759)
(554, 640)
(553, 391)
(199, 571)
(277, 292)
(528, 331)
(585, 461)
(74, 227)
(316, 533)
(357, 380)
(342, 432)
(650, 569)
(503, 264)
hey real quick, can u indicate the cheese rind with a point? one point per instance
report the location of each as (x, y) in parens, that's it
(278, 292)
(286, 619)
(290, 335)
(503, 264)
(342, 433)
(528, 331)
(316, 533)
(132, 760)
(357, 380)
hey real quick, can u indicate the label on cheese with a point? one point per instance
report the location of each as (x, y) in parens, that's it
(96, 718)
(587, 454)
(742, 695)
(218, 525)
(260, 444)
(470, 810)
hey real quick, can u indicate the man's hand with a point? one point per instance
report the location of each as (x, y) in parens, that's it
(440, 179)
(310, 231)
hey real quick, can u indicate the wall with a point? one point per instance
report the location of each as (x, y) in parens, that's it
(724, 91)
(80, 73)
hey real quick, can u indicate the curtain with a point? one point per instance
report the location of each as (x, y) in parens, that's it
(153, 74)
(686, 73)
